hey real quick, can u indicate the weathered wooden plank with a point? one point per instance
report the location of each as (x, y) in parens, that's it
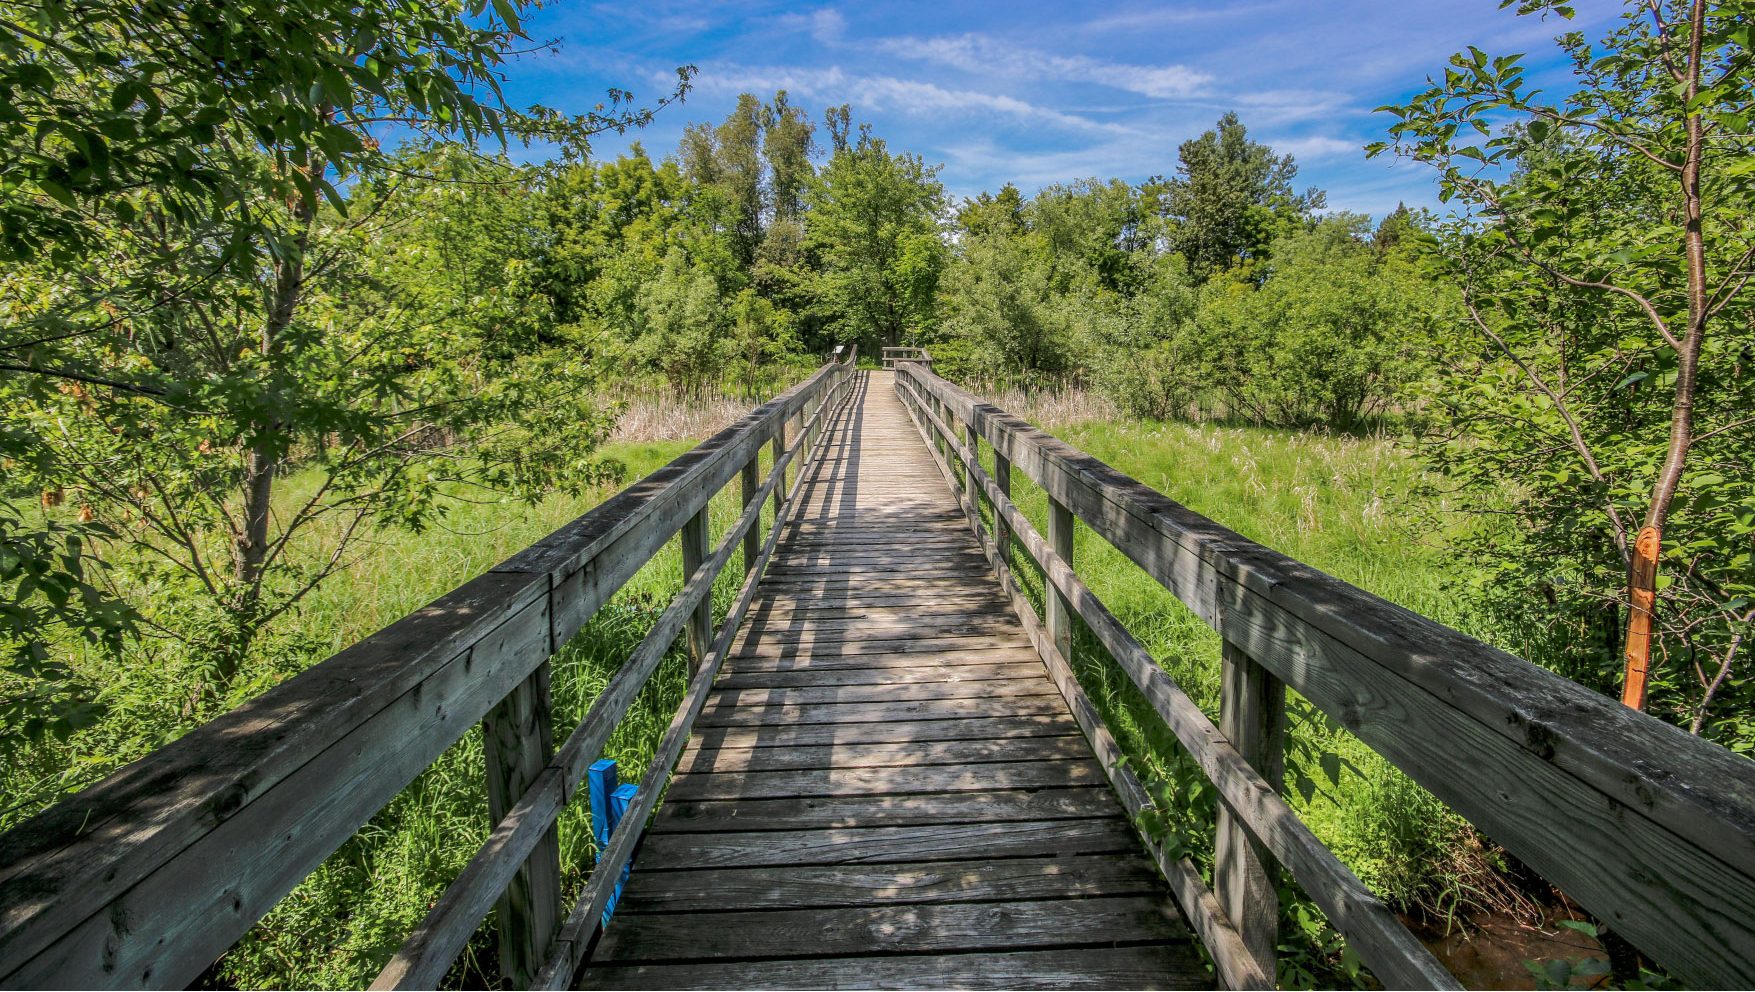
(923, 539)
(911, 710)
(870, 845)
(893, 732)
(1009, 806)
(892, 675)
(1029, 685)
(879, 573)
(800, 887)
(1162, 966)
(899, 928)
(931, 644)
(895, 781)
(949, 657)
(757, 759)
(881, 554)
(857, 601)
(863, 628)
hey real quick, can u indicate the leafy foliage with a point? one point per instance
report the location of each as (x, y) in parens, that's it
(1604, 380)
(1231, 197)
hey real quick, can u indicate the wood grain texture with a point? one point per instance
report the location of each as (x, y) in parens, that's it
(1163, 966)
(923, 754)
(1008, 806)
(898, 928)
(1009, 880)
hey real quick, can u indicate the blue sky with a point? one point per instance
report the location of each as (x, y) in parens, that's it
(1037, 93)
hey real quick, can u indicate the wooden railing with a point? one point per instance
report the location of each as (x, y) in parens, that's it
(1648, 828)
(893, 355)
(144, 879)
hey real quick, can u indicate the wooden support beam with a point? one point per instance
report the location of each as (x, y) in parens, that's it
(694, 551)
(778, 448)
(518, 738)
(1060, 538)
(972, 441)
(1252, 715)
(1002, 477)
(752, 538)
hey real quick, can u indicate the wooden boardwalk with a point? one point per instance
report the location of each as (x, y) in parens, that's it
(885, 788)
(876, 783)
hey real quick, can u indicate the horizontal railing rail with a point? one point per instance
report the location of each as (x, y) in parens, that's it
(905, 353)
(147, 877)
(1650, 829)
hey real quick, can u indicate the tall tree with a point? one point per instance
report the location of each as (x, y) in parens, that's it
(1605, 276)
(787, 144)
(873, 223)
(1231, 197)
(175, 344)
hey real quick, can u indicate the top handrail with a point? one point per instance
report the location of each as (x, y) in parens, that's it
(145, 878)
(1648, 827)
(894, 354)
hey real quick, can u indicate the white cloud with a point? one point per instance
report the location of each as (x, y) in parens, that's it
(881, 92)
(1317, 147)
(824, 25)
(981, 55)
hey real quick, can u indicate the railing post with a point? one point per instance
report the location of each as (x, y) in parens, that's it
(778, 447)
(1060, 538)
(1252, 715)
(972, 441)
(694, 552)
(1002, 531)
(518, 740)
(810, 429)
(752, 538)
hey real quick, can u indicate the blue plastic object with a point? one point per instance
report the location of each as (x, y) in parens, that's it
(609, 801)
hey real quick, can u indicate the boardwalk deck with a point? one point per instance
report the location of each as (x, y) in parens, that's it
(885, 789)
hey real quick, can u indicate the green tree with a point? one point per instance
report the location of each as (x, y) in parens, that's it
(787, 142)
(1231, 197)
(873, 227)
(1002, 301)
(687, 325)
(185, 345)
(1333, 335)
(1603, 263)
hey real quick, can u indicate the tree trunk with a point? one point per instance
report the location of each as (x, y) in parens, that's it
(262, 461)
(1642, 575)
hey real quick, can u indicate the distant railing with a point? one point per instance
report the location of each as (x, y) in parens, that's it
(1650, 829)
(146, 878)
(906, 354)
